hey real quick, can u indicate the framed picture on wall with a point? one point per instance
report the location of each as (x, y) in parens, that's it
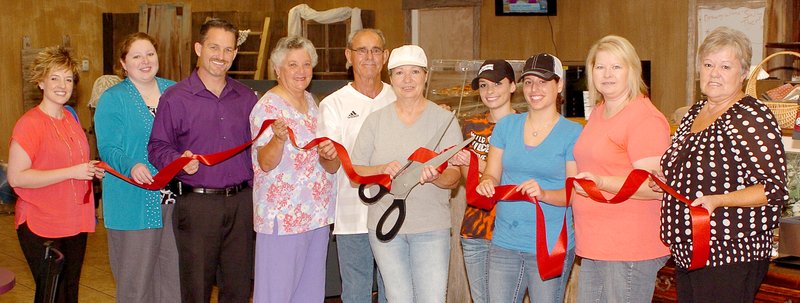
(525, 7)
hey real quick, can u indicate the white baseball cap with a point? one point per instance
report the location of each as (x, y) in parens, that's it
(408, 55)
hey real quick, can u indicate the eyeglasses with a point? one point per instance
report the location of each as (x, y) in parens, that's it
(375, 51)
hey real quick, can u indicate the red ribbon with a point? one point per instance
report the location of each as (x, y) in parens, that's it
(551, 263)
(166, 174)
(701, 224)
(172, 169)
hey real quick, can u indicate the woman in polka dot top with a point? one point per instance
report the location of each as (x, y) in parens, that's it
(727, 155)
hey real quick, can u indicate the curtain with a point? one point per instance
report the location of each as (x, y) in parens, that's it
(325, 17)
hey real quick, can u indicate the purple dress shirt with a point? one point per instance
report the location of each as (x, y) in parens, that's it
(190, 117)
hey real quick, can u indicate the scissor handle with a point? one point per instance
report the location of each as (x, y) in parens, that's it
(362, 193)
(400, 205)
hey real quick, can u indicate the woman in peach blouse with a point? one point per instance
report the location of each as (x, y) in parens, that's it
(49, 168)
(619, 243)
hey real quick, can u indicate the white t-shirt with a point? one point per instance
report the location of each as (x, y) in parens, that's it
(341, 116)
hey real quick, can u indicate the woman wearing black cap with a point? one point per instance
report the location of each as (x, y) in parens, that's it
(495, 83)
(533, 150)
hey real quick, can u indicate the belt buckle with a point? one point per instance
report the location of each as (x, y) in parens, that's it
(231, 191)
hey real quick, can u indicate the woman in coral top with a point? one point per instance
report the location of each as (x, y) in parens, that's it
(619, 243)
(49, 168)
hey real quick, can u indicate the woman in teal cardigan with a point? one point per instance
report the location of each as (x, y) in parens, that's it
(141, 244)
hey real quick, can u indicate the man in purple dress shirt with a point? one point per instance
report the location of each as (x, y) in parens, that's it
(213, 219)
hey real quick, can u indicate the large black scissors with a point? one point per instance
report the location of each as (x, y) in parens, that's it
(404, 181)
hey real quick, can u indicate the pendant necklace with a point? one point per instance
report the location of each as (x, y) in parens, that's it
(536, 131)
(67, 139)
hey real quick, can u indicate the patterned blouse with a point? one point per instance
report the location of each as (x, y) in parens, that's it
(478, 223)
(741, 148)
(297, 195)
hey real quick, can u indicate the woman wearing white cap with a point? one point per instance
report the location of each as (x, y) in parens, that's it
(414, 264)
(533, 150)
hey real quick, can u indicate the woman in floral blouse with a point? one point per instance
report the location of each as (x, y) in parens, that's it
(293, 195)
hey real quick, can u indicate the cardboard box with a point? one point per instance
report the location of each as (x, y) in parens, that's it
(789, 243)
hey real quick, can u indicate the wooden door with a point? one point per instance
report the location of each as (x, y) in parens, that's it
(170, 24)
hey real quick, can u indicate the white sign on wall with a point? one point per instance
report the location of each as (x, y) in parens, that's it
(746, 19)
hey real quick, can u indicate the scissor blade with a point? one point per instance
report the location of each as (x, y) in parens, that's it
(443, 157)
(403, 183)
(402, 169)
(433, 143)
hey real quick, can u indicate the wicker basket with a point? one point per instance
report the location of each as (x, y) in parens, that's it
(785, 112)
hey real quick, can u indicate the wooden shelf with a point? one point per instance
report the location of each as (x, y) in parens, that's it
(786, 45)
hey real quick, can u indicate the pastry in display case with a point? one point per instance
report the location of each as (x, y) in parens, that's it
(449, 83)
(455, 91)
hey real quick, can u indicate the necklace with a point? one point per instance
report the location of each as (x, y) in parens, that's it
(544, 127)
(299, 105)
(149, 92)
(68, 138)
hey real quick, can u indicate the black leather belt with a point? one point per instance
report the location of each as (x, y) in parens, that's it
(183, 189)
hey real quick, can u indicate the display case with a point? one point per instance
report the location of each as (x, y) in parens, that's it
(449, 82)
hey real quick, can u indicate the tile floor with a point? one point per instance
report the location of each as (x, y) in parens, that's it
(97, 283)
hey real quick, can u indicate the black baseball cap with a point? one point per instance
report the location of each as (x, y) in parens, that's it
(543, 65)
(494, 70)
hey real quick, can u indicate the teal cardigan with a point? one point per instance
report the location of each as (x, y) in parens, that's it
(123, 125)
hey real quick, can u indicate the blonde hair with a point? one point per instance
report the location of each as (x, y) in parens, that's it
(54, 57)
(622, 49)
(722, 37)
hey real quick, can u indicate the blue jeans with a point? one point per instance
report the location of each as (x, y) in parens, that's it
(618, 281)
(511, 272)
(414, 266)
(356, 267)
(476, 260)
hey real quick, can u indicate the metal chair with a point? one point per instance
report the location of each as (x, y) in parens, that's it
(47, 282)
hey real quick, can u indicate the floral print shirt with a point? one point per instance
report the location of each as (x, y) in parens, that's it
(297, 195)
